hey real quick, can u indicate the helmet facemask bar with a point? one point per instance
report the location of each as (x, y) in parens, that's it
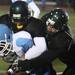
(5, 47)
(50, 25)
(18, 18)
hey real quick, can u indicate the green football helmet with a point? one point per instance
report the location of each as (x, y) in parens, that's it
(58, 18)
(19, 15)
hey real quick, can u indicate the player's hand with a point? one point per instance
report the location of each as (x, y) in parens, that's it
(15, 68)
(24, 65)
(10, 57)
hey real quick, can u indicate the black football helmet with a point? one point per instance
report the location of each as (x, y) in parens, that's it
(58, 18)
(19, 14)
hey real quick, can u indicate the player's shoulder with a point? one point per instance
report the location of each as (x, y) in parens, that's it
(35, 20)
(5, 19)
(36, 26)
(64, 39)
(36, 23)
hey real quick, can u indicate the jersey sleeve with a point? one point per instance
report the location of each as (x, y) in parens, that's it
(36, 27)
(37, 49)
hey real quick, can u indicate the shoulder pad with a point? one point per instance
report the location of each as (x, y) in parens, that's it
(37, 27)
(5, 19)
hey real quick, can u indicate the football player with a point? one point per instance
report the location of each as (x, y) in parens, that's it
(58, 37)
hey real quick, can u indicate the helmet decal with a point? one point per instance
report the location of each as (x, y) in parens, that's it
(50, 21)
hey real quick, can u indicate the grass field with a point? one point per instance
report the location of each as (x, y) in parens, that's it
(58, 65)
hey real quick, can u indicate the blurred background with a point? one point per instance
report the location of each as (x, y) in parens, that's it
(45, 6)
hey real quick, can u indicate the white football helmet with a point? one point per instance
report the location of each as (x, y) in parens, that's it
(5, 47)
(5, 40)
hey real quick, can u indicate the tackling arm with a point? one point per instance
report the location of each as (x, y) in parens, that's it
(37, 49)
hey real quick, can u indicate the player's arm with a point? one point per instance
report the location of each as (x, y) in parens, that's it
(49, 55)
(37, 49)
(37, 32)
(34, 8)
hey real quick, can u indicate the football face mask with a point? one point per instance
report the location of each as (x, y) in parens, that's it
(5, 48)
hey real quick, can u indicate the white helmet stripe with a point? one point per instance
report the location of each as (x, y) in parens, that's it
(50, 21)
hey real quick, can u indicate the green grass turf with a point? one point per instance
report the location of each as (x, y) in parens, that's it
(72, 22)
(3, 65)
(58, 65)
